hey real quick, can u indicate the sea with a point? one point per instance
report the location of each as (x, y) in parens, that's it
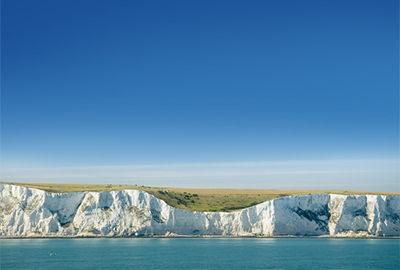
(200, 253)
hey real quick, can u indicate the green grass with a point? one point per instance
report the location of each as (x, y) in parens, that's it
(225, 200)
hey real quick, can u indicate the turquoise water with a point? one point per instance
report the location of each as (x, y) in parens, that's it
(200, 253)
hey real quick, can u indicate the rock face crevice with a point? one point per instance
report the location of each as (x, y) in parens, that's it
(26, 212)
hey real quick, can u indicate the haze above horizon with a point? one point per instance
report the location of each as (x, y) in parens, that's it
(210, 94)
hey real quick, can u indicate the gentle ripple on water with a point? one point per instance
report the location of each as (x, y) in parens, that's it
(199, 253)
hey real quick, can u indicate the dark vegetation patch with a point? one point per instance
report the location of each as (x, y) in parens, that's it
(320, 217)
(156, 216)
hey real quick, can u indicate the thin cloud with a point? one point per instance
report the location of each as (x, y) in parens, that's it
(219, 164)
(191, 170)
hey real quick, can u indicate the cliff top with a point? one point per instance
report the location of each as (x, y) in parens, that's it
(198, 199)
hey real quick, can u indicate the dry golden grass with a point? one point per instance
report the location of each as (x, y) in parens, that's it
(200, 199)
(277, 191)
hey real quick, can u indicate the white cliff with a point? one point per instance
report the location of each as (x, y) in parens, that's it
(27, 212)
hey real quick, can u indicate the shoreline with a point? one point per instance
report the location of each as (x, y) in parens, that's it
(200, 237)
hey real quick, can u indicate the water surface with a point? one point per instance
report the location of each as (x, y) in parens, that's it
(200, 253)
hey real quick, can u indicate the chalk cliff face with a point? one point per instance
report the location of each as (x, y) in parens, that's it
(26, 212)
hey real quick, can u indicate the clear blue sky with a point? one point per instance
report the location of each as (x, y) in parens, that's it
(101, 84)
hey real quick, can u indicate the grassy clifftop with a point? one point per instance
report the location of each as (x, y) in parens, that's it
(225, 200)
